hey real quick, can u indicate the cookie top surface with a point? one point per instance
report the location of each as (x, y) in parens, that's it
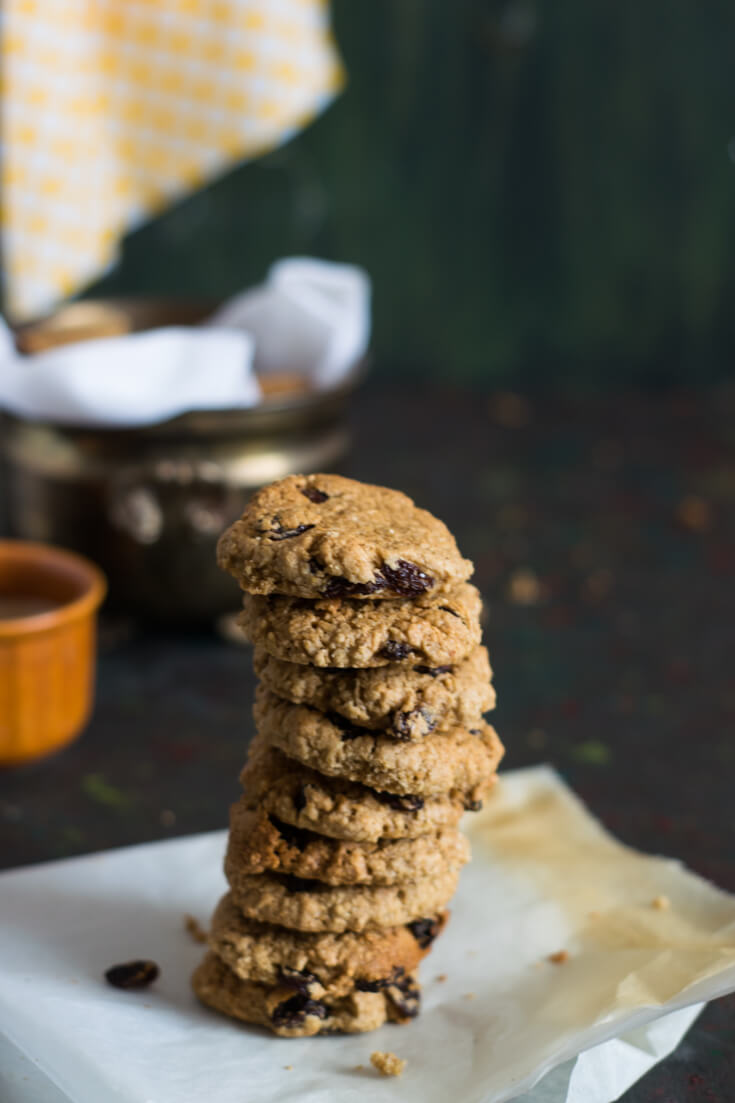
(313, 906)
(260, 843)
(460, 758)
(326, 536)
(405, 700)
(317, 963)
(291, 1013)
(341, 809)
(431, 631)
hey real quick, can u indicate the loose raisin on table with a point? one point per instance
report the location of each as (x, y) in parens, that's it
(132, 974)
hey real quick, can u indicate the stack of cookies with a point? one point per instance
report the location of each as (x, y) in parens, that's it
(344, 848)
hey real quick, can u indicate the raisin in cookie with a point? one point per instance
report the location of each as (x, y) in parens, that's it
(323, 963)
(461, 758)
(297, 795)
(404, 700)
(326, 536)
(429, 631)
(291, 1013)
(313, 906)
(261, 843)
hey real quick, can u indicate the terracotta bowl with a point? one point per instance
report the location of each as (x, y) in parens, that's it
(48, 619)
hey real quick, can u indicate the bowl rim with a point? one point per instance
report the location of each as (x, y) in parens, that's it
(49, 555)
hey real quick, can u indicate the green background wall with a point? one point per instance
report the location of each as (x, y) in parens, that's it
(538, 190)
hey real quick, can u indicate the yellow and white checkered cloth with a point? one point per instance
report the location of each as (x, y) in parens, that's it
(113, 108)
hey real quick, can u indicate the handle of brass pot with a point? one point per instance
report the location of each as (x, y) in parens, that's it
(166, 500)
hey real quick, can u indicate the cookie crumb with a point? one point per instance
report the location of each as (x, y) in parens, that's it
(661, 903)
(288, 1067)
(387, 1063)
(194, 928)
(469, 996)
(359, 1068)
(559, 957)
(442, 977)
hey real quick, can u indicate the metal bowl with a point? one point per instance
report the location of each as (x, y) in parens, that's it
(149, 504)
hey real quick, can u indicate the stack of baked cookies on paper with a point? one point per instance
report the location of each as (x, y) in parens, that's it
(344, 849)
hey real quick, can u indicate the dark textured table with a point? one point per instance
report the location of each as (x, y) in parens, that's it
(603, 531)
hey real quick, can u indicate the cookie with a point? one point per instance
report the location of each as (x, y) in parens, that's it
(318, 964)
(426, 631)
(261, 843)
(291, 1013)
(326, 536)
(404, 700)
(313, 906)
(341, 809)
(461, 758)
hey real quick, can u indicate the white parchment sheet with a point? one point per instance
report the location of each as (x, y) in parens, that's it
(545, 877)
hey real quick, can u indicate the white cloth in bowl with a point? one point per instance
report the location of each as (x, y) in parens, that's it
(310, 317)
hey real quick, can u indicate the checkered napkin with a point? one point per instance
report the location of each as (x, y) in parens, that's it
(111, 109)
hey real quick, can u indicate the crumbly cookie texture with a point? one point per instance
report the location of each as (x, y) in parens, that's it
(326, 536)
(341, 809)
(317, 964)
(387, 1063)
(403, 699)
(437, 630)
(291, 1013)
(313, 906)
(260, 843)
(461, 758)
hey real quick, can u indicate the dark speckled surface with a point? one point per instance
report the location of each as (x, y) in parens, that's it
(603, 530)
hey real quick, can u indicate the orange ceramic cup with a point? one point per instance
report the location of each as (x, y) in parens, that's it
(48, 620)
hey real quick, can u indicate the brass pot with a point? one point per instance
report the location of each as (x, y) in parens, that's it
(148, 504)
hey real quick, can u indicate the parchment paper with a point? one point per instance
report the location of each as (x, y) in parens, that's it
(545, 877)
